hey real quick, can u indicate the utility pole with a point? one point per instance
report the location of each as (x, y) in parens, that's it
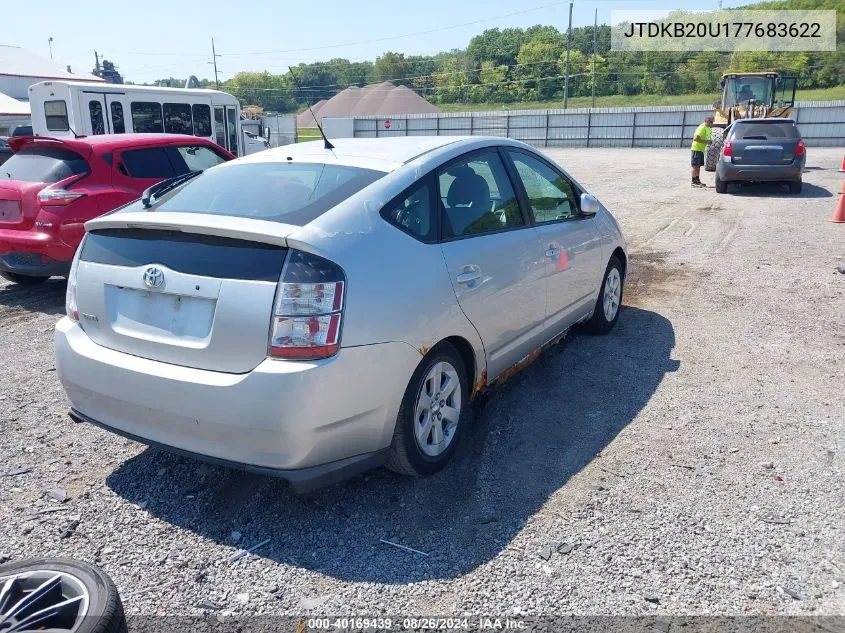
(50, 44)
(595, 52)
(568, 44)
(214, 57)
(97, 64)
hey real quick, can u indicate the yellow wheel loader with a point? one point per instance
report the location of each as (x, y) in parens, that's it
(749, 96)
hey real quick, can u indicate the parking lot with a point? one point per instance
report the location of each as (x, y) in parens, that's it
(691, 462)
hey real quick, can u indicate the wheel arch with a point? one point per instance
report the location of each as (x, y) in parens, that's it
(619, 253)
(467, 353)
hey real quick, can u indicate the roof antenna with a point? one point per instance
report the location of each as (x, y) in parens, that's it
(326, 143)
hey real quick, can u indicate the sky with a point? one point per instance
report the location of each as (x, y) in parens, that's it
(153, 39)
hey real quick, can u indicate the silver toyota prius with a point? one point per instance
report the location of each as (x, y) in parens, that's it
(310, 313)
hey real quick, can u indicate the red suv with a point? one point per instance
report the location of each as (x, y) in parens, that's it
(50, 187)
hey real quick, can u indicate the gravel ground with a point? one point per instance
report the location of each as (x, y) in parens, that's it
(692, 462)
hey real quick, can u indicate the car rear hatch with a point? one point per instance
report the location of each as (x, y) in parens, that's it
(184, 289)
(765, 143)
(35, 165)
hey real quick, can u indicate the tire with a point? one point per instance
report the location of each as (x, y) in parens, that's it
(104, 611)
(721, 185)
(795, 187)
(23, 280)
(599, 323)
(407, 455)
(711, 154)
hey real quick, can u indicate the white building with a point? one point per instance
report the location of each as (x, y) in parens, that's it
(19, 69)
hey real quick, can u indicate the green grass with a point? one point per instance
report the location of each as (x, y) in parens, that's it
(622, 101)
(304, 134)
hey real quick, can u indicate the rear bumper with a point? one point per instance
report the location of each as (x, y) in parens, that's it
(729, 172)
(302, 480)
(311, 423)
(34, 253)
(33, 265)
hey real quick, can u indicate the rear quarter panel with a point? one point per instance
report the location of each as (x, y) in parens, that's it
(398, 289)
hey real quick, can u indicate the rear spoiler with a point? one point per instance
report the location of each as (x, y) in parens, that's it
(16, 143)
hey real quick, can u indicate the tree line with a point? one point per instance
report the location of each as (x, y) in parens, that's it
(514, 65)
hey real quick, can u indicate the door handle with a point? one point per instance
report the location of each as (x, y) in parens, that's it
(470, 274)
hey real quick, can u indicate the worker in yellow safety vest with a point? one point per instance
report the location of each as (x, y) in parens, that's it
(700, 140)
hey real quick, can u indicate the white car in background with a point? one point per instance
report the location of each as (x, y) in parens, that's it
(310, 313)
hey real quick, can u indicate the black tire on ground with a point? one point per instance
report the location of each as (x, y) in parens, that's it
(23, 280)
(598, 323)
(711, 154)
(721, 185)
(406, 457)
(104, 613)
(795, 187)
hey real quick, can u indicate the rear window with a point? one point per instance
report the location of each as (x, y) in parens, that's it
(55, 113)
(44, 164)
(189, 253)
(150, 162)
(766, 131)
(293, 193)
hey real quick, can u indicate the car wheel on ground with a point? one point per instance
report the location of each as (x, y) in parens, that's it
(59, 595)
(609, 301)
(23, 280)
(721, 185)
(433, 414)
(795, 187)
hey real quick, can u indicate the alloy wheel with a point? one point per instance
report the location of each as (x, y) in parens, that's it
(37, 600)
(438, 409)
(612, 294)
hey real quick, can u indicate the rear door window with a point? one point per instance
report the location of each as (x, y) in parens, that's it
(56, 115)
(118, 125)
(476, 197)
(778, 130)
(146, 117)
(202, 120)
(44, 164)
(98, 124)
(293, 193)
(177, 118)
(149, 162)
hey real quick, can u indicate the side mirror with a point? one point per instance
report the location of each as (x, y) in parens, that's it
(589, 204)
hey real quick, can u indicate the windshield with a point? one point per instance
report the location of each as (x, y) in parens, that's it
(293, 193)
(742, 89)
(44, 164)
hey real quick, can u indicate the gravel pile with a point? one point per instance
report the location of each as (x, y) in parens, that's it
(689, 463)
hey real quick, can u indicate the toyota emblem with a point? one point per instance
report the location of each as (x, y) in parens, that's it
(153, 277)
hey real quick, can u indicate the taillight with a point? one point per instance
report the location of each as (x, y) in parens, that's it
(71, 305)
(727, 149)
(308, 311)
(801, 148)
(58, 196)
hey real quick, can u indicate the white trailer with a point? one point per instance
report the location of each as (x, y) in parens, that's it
(71, 108)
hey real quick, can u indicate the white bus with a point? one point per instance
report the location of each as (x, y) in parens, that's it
(68, 108)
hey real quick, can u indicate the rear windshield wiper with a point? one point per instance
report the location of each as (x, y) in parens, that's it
(164, 186)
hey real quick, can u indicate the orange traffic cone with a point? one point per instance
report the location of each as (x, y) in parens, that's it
(839, 214)
(843, 164)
